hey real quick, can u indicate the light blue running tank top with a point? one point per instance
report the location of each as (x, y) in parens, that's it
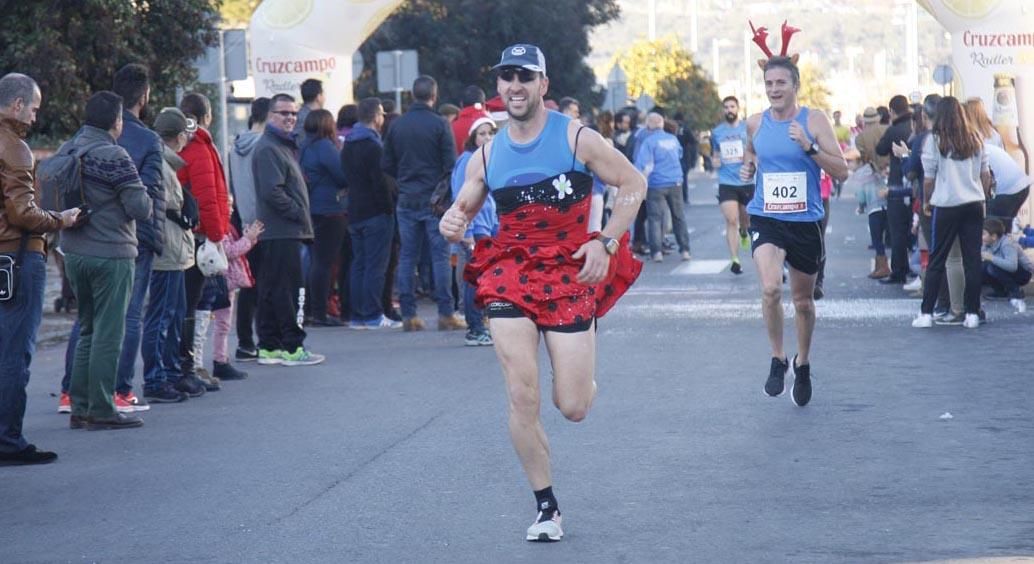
(780, 157)
(512, 164)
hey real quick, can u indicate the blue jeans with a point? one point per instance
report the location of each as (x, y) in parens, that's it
(19, 319)
(1005, 282)
(414, 225)
(878, 232)
(134, 317)
(371, 248)
(474, 316)
(656, 200)
(163, 326)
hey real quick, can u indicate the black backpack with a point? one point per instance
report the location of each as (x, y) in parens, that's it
(61, 177)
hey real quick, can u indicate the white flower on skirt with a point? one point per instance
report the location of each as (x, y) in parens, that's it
(563, 186)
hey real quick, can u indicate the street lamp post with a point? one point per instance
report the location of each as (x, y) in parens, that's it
(617, 87)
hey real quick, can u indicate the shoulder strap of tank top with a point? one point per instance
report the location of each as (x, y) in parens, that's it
(484, 162)
(574, 153)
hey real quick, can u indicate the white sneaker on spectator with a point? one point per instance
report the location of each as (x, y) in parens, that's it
(972, 321)
(1019, 304)
(914, 285)
(384, 323)
(924, 321)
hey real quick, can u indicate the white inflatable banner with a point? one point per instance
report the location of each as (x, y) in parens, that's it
(294, 40)
(993, 59)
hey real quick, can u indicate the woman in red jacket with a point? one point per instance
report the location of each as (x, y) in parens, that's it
(205, 180)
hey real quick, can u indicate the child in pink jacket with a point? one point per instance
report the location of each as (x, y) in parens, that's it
(237, 276)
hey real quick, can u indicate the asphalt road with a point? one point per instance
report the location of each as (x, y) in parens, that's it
(396, 449)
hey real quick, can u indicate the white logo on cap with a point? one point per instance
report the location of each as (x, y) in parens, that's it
(518, 51)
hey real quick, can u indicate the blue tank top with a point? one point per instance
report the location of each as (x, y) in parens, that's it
(728, 143)
(549, 154)
(792, 181)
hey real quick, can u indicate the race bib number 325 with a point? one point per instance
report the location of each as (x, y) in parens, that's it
(732, 151)
(785, 192)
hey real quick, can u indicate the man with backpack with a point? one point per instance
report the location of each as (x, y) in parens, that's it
(99, 260)
(23, 268)
(418, 153)
(132, 83)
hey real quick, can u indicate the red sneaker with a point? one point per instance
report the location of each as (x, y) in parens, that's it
(128, 403)
(64, 405)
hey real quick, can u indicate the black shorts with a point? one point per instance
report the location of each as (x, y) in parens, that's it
(742, 194)
(506, 310)
(802, 240)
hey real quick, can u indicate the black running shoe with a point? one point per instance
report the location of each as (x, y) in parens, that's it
(246, 355)
(735, 267)
(818, 294)
(775, 385)
(800, 390)
(165, 393)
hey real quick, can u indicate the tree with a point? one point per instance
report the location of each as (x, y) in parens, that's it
(665, 70)
(813, 93)
(73, 49)
(237, 13)
(694, 96)
(458, 41)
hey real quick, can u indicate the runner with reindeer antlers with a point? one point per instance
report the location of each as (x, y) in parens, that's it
(788, 146)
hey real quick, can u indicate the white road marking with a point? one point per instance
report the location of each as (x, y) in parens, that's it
(683, 306)
(700, 267)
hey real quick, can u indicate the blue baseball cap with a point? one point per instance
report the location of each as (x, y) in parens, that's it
(524, 56)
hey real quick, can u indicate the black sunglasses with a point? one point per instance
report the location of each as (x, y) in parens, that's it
(524, 75)
(286, 113)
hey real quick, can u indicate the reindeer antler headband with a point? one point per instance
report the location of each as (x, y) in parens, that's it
(761, 38)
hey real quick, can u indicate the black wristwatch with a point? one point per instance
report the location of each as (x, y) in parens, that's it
(812, 151)
(609, 244)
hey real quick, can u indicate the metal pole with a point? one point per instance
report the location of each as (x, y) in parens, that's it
(912, 44)
(694, 28)
(747, 86)
(714, 59)
(652, 22)
(224, 121)
(398, 81)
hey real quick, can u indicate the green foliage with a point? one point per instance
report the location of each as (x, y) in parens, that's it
(73, 49)
(813, 93)
(667, 71)
(237, 13)
(459, 40)
(695, 96)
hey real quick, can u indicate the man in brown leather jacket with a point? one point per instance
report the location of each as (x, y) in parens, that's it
(22, 224)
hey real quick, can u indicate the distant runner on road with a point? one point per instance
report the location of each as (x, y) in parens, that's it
(728, 145)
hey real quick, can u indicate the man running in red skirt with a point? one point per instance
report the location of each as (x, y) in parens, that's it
(545, 273)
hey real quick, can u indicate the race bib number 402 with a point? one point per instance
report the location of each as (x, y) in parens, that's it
(785, 192)
(732, 151)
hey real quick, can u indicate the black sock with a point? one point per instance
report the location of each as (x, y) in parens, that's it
(545, 502)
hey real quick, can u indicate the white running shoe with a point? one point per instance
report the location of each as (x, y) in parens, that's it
(972, 321)
(546, 530)
(913, 286)
(1019, 304)
(924, 321)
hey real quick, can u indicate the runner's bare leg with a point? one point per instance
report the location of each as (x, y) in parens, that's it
(573, 356)
(768, 259)
(802, 287)
(732, 225)
(516, 345)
